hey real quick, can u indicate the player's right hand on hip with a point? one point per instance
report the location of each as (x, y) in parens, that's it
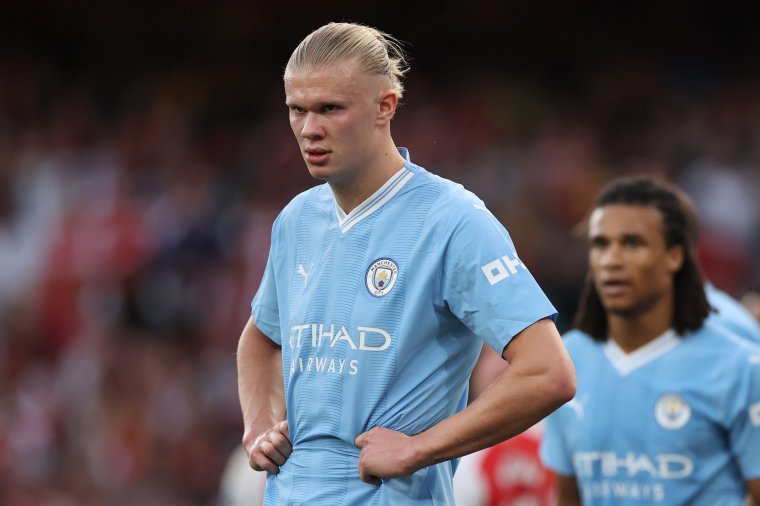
(270, 449)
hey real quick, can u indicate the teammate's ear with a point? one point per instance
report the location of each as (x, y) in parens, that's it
(674, 258)
(387, 102)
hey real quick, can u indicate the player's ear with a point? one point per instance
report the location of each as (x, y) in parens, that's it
(386, 107)
(674, 258)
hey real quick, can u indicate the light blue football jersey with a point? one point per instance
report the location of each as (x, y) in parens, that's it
(381, 315)
(676, 422)
(730, 314)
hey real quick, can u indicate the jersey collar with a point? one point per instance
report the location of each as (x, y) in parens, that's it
(378, 199)
(626, 363)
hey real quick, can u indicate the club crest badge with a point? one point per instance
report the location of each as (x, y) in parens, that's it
(672, 412)
(381, 276)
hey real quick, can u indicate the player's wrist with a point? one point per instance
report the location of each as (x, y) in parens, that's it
(256, 427)
(423, 451)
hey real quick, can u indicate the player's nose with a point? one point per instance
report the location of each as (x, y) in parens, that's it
(611, 257)
(312, 126)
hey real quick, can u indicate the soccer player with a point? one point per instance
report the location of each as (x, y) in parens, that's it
(380, 287)
(667, 409)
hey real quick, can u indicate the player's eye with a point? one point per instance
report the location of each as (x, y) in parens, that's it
(329, 108)
(296, 109)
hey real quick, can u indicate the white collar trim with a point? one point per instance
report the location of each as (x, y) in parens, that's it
(375, 201)
(626, 363)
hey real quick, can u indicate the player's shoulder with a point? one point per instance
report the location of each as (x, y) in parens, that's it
(455, 197)
(318, 199)
(725, 361)
(454, 203)
(712, 337)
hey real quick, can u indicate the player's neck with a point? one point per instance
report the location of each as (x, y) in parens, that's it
(631, 332)
(350, 193)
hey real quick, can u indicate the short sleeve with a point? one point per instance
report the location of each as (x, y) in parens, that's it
(744, 429)
(554, 452)
(485, 284)
(264, 306)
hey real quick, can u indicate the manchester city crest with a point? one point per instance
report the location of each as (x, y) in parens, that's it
(671, 411)
(381, 276)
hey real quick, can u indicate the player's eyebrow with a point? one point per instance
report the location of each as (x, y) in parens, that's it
(628, 237)
(633, 237)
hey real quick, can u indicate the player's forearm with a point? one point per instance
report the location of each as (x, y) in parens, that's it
(514, 403)
(260, 385)
(539, 380)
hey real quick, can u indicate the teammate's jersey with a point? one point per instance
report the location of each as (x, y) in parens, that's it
(380, 315)
(675, 422)
(730, 314)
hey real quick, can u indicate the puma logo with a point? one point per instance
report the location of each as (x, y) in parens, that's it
(578, 406)
(303, 272)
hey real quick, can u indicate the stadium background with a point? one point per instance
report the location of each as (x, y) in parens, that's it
(144, 152)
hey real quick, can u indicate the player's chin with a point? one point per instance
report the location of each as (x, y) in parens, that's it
(322, 171)
(620, 308)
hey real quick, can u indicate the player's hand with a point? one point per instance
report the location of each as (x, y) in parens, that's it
(270, 449)
(385, 453)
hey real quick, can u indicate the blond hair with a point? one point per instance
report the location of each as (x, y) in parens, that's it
(378, 53)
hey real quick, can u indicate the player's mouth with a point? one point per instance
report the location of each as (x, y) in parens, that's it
(614, 287)
(317, 156)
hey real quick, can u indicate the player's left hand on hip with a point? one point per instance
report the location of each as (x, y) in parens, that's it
(385, 453)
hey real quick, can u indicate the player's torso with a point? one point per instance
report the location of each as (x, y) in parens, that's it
(646, 430)
(362, 345)
(362, 329)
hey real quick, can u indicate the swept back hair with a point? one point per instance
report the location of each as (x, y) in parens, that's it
(679, 227)
(377, 52)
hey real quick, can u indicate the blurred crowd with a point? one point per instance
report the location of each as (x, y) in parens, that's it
(133, 234)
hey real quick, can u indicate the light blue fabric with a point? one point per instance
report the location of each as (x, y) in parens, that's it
(381, 316)
(730, 314)
(676, 422)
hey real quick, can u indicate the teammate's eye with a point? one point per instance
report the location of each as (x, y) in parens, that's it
(633, 242)
(598, 242)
